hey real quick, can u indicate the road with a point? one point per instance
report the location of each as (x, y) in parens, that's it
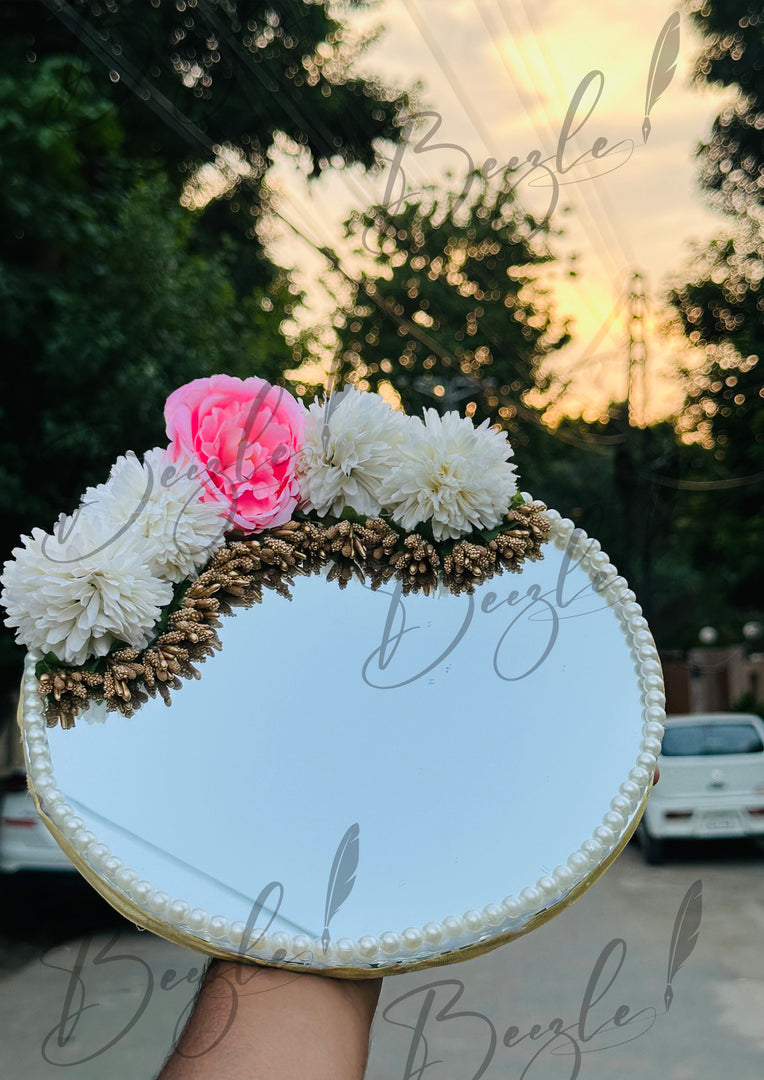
(134, 988)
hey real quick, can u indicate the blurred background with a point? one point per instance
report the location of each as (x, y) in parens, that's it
(545, 214)
(451, 203)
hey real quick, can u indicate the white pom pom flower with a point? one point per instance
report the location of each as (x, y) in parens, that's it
(351, 443)
(78, 591)
(452, 474)
(177, 531)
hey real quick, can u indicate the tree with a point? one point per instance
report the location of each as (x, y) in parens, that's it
(721, 309)
(104, 306)
(215, 81)
(452, 314)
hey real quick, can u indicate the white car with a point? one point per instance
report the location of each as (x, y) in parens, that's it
(711, 782)
(25, 843)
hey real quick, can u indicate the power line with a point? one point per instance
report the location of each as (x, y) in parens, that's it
(598, 193)
(451, 76)
(176, 119)
(597, 237)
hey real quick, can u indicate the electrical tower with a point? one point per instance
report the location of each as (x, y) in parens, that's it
(636, 385)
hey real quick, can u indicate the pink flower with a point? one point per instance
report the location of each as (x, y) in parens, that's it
(244, 436)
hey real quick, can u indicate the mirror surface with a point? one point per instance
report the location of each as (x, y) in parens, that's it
(475, 741)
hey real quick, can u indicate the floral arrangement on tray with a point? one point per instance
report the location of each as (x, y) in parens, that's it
(123, 596)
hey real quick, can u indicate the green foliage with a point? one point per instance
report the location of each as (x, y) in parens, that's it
(721, 308)
(453, 313)
(104, 305)
(186, 79)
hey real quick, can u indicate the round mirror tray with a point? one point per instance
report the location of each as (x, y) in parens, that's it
(364, 781)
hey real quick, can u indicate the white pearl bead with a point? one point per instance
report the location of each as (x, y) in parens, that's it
(98, 854)
(473, 920)
(36, 738)
(578, 862)
(651, 746)
(614, 821)
(72, 824)
(258, 940)
(531, 898)
(281, 943)
(345, 949)
(655, 713)
(82, 840)
(599, 560)
(112, 866)
(651, 667)
(453, 926)
(159, 903)
(639, 776)
(390, 943)
(320, 955)
(492, 915)
(547, 886)
(629, 597)
(237, 932)
(564, 876)
(142, 891)
(127, 878)
(197, 919)
(653, 729)
(655, 697)
(641, 635)
(432, 933)
(653, 682)
(218, 927)
(552, 515)
(368, 946)
(411, 938)
(605, 835)
(647, 761)
(593, 848)
(513, 906)
(620, 804)
(630, 789)
(179, 909)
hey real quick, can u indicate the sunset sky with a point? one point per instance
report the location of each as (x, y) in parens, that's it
(502, 74)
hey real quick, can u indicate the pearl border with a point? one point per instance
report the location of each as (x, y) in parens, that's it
(412, 944)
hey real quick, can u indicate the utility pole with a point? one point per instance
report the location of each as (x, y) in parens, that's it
(636, 351)
(633, 463)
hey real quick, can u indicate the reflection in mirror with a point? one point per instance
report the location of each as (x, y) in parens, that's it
(355, 763)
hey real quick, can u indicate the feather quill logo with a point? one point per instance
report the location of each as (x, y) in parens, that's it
(341, 878)
(685, 935)
(662, 67)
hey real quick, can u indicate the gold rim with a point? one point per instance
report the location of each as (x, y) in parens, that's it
(136, 915)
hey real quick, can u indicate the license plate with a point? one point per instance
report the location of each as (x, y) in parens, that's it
(720, 823)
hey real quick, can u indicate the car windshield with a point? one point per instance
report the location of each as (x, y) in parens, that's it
(689, 740)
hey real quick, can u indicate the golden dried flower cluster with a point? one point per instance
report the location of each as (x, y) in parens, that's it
(237, 573)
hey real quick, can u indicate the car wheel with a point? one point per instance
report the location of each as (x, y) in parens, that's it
(653, 848)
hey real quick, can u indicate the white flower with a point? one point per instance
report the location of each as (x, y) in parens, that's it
(351, 444)
(160, 504)
(452, 474)
(76, 592)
